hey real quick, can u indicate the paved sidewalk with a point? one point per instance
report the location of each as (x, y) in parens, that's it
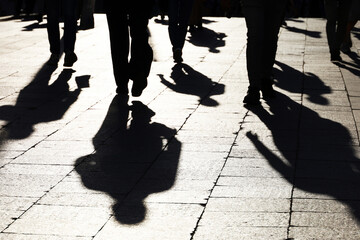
(186, 160)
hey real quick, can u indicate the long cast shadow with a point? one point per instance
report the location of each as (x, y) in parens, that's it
(313, 34)
(186, 80)
(121, 166)
(38, 102)
(326, 161)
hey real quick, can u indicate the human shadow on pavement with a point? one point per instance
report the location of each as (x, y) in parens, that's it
(186, 80)
(292, 80)
(33, 26)
(313, 34)
(123, 166)
(38, 102)
(207, 38)
(324, 162)
(352, 66)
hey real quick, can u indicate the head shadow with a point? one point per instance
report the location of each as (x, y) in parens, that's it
(134, 158)
(186, 80)
(320, 155)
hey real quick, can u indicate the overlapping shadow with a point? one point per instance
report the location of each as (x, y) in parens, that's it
(292, 80)
(123, 165)
(326, 162)
(38, 102)
(189, 81)
(313, 34)
(352, 66)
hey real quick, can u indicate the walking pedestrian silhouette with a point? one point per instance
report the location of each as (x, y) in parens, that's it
(121, 166)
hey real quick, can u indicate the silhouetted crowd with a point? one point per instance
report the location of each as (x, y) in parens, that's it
(128, 21)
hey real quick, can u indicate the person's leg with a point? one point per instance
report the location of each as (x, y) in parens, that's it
(53, 16)
(174, 22)
(141, 51)
(343, 16)
(119, 44)
(87, 14)
(184, 16)
(18, 7)
(273, 22)
(254, 12)
(354, 16)
(331, 9)
(70, 8)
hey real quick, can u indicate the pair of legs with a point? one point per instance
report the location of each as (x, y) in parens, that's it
(354, 16)
(263, 20)
(68, 8)
(131, 20)
(337, 14)
(179, 15)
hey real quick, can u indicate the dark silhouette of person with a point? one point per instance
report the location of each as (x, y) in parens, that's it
(318, 153)
(68, 9)
(179, 15)
(337, 14)
(130, 20)
(263, 20)
(123, 164)
(191, 82)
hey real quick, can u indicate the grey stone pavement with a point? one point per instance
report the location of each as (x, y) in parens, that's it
(186, 160)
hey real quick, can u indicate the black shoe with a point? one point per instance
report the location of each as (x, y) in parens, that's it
(177, 55)
(252, 97)
(53, 60)
(138, 87)
(70, 59)
(335, 57)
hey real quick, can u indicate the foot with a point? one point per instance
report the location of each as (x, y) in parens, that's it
(53, 60)
(177, 55)
(70, 59)
(138, 87)
(335, 58)
(252, 97)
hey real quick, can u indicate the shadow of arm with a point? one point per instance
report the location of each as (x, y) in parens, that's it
(273, 160)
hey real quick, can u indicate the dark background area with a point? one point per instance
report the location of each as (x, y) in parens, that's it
(295, 8)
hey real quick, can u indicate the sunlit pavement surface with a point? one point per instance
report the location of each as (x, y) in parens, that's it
(186, 160)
